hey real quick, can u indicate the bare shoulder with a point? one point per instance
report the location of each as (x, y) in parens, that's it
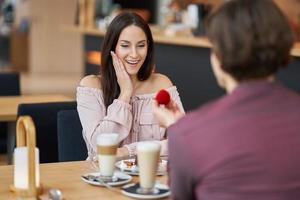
(160, 81)
(91, 81)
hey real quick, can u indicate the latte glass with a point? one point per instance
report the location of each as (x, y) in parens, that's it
(148, 157)
(107, 145)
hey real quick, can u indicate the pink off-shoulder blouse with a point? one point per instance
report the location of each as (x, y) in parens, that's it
(133, 121)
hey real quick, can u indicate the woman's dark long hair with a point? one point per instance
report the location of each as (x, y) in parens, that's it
(109, 84)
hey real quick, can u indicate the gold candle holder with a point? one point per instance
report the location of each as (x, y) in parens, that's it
(26, 137)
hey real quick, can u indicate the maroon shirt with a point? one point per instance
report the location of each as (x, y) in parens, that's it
(245, 145)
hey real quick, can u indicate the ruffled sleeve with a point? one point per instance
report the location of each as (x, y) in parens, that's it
(95, 119)
(175, 97)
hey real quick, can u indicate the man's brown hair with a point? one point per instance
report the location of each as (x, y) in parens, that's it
(251, 38)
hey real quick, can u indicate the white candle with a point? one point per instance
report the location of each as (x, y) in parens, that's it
(21, 168)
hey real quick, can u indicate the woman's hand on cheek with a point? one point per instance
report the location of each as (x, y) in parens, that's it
(123, 78)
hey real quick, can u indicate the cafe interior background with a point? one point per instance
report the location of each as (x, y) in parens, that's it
(52, 44)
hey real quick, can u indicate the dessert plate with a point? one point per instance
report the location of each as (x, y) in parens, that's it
(128, 166)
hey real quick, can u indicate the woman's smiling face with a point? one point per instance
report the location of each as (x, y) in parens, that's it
(132, 48)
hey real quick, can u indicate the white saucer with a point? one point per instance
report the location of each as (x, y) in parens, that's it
(134, 170)
(122, 178)
(131, 191)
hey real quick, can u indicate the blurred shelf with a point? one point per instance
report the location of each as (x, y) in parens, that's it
(160, 37)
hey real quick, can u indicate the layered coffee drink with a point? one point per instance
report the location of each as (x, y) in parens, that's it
(148, 157)
(107, 145)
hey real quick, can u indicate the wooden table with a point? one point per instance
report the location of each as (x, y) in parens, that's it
(9, 104)
(66, 177)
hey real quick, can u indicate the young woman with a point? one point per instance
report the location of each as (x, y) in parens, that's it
(120, 99)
